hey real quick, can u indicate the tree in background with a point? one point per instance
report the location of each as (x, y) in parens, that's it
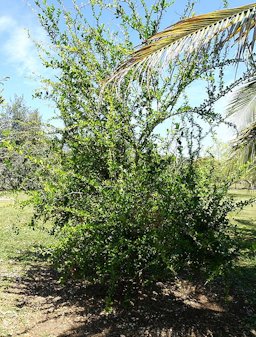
(132, 206)
(21, 133)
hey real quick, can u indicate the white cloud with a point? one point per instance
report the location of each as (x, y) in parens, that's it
(21, 52)
(6, 23)
(18, 48)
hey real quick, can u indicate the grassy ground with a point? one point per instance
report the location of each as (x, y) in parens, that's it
(19, 248)
(33, 303)
(245, 221)
(17, 238)
(244, 277)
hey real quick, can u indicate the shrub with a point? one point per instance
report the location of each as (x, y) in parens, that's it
(131, 206)
(147, 226)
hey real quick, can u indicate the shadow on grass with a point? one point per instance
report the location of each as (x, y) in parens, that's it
(175, 309)
(246, 237)
(37, 253)
(247, 223)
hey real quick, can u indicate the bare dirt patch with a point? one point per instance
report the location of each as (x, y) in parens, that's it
(38, 305)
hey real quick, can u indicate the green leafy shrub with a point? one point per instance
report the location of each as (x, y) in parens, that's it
(131, 206)
(148, 226)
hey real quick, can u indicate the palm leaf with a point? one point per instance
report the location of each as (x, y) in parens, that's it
(244, 146)
(242, 108)
(191, 35)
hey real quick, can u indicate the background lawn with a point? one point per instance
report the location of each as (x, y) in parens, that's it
(19, 242)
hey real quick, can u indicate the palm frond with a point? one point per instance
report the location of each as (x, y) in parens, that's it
(244, 146)
(242, 108)
(191, 35)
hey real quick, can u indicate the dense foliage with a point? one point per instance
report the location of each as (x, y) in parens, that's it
(146, 227)
(130, 205)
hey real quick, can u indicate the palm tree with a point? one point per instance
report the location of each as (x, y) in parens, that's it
(193, 35)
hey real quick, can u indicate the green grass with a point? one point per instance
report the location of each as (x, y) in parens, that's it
(20, 244)
(245, 220)
(17, 238)
(244, 276)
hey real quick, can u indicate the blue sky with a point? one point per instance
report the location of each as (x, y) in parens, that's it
(18, 55)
